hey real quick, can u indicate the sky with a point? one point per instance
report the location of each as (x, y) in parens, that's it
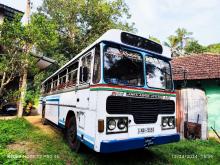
(160, 18)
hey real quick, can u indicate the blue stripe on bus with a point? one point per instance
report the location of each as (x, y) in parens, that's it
(53, 99)
(136, 143)
(86, 142)
(53, 96)
(86, 135)
(57, 99)
(86, 138)
(61, 125)
(61, 121)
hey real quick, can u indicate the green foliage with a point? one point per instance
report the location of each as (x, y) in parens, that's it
(183, 37)
(58, 33)
(182, 43)
(12, 131)
(177, 42)
(173, 44)
(193, 46)
(11, 95)
(11, 157)
(10, 41)
(213, 48)
(154, 39)
(18, 130)
(21, 43)
(83, 21)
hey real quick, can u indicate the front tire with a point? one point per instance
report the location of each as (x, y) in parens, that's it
(71, 135)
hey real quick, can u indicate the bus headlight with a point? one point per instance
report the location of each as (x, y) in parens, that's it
(121, 124)
(168, 122)
(117, 125)
(165, 121)
(111, 124)
(171, 122)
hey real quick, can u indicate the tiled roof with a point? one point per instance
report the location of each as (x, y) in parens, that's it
(200, 66)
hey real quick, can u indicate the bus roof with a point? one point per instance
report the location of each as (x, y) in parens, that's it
(112, 35)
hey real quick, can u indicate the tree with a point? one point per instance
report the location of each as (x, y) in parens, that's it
(80, 22)
(9, 59)
(183, 36)
(173, 44)
(154, 39)
(213, 48)
(193, 46)
(40, 34)
(177, 42)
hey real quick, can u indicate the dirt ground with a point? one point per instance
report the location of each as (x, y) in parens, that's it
(23, 146)
(48, 129)
(7, 117)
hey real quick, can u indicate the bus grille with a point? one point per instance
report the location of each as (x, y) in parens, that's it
(143, 110)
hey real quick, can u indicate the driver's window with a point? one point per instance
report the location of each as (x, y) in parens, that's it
(85, 69)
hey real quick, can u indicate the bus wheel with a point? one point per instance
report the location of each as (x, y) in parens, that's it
(71, 135)
(44, 120)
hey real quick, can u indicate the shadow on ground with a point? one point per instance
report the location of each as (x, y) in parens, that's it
(142, 156)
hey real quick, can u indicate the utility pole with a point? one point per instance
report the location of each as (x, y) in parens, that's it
(28, 11)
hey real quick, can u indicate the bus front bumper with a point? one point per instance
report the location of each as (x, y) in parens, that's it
(136, 143)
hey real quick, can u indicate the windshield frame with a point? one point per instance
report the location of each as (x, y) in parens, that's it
(125, 48)
(143, 54)
(170, 71)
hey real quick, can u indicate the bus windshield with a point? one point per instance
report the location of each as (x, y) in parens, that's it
(158, 73)
(123, 67)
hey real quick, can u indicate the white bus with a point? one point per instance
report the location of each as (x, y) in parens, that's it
(116, 95)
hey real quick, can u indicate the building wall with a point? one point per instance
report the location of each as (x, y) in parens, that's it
(192, 107)
(212, 92)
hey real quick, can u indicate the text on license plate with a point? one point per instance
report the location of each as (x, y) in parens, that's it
(145, 130)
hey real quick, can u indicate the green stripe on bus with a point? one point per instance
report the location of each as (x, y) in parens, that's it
(131, 91)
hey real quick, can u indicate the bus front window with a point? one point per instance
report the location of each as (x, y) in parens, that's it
(158, 73)
(123, 67)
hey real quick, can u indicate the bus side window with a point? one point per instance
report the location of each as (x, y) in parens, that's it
(55, 82)
(62, 79)
(72, 74)
(48, 86)
(85, 70)
(97, 65)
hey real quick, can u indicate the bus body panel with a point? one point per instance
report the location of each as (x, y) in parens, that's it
(87, 125)
(132, 127)
(88, 103)
(85, 116)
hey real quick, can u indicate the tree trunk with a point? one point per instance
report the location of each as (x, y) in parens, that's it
(23, 88)
(2, 84)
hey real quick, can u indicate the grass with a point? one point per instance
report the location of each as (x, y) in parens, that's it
(19, 141)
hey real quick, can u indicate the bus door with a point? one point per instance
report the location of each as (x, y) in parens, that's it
(83, 90)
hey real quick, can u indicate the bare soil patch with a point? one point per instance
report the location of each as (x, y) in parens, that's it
(28, 148)
(48, 129)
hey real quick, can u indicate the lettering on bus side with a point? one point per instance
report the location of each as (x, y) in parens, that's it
(150, 96)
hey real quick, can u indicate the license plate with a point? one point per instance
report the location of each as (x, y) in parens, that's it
(145, 130)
